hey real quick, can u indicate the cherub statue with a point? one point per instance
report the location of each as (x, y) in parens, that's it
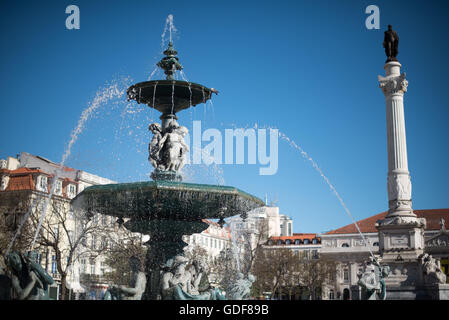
(154, 146)
(137, 284)
(173, 148)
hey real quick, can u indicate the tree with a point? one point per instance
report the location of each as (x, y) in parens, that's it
(118, 254)
(274, 270)
(315, 274)
(63, 231)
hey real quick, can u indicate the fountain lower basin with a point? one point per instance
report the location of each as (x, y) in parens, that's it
(168, 200)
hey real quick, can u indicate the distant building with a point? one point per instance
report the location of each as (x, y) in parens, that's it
(346, 246)
(213, 240)
(308, 244)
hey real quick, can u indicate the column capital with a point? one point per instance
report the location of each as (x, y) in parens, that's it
(393, 84)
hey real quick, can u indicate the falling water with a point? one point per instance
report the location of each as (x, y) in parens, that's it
(172, 97)
(317, 168)
(235, 249)
(214, 170)
(102, 96)
(152, 73)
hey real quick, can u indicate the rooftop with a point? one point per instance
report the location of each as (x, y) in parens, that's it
(432, 216)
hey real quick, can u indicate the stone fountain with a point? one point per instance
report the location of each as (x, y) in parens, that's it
(166, 208)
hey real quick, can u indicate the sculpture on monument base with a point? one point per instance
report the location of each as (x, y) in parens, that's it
(137, 284)
(432, 272)
(23, 278)
(372, 281)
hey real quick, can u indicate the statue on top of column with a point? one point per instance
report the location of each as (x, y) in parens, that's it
(391, 43)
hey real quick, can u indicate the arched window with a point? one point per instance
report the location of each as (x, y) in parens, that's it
(288, 241)
(297, 241)
(376, 244)
(345, 245)
(346, 294)
(314, 241)
(270, 242)
(306, 241)
(280, 242)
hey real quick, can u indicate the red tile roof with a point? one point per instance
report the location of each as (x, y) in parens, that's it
(24, 182)
(296, 236)
(367, 225)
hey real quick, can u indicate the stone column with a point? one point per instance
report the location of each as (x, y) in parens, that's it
(399, 186)
(401, 229)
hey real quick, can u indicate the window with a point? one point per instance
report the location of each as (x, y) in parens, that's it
(331, 295)
(71, 190)
(53, 264)
(315, 254)
(280, 242)
(345, 245)
(306, 241)
(346, 275)
(43, 183)
(94, 242)
(376, 244)
(288, 241)
(306, 254)
(314, 241)
(104, 242)
(297, 241)
(58, 187)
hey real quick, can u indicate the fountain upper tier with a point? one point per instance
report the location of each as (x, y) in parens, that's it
(169, 96)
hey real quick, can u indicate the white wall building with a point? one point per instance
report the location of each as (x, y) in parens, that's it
(32, 176)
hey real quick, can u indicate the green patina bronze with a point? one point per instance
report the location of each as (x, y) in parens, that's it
(166, 209)
(168, 200)
(170, 63)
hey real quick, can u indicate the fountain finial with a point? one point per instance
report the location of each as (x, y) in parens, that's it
(170, 63)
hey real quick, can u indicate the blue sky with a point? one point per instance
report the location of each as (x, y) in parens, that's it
(308, 68)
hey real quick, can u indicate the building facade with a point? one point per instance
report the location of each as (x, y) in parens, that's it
(347, 247)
